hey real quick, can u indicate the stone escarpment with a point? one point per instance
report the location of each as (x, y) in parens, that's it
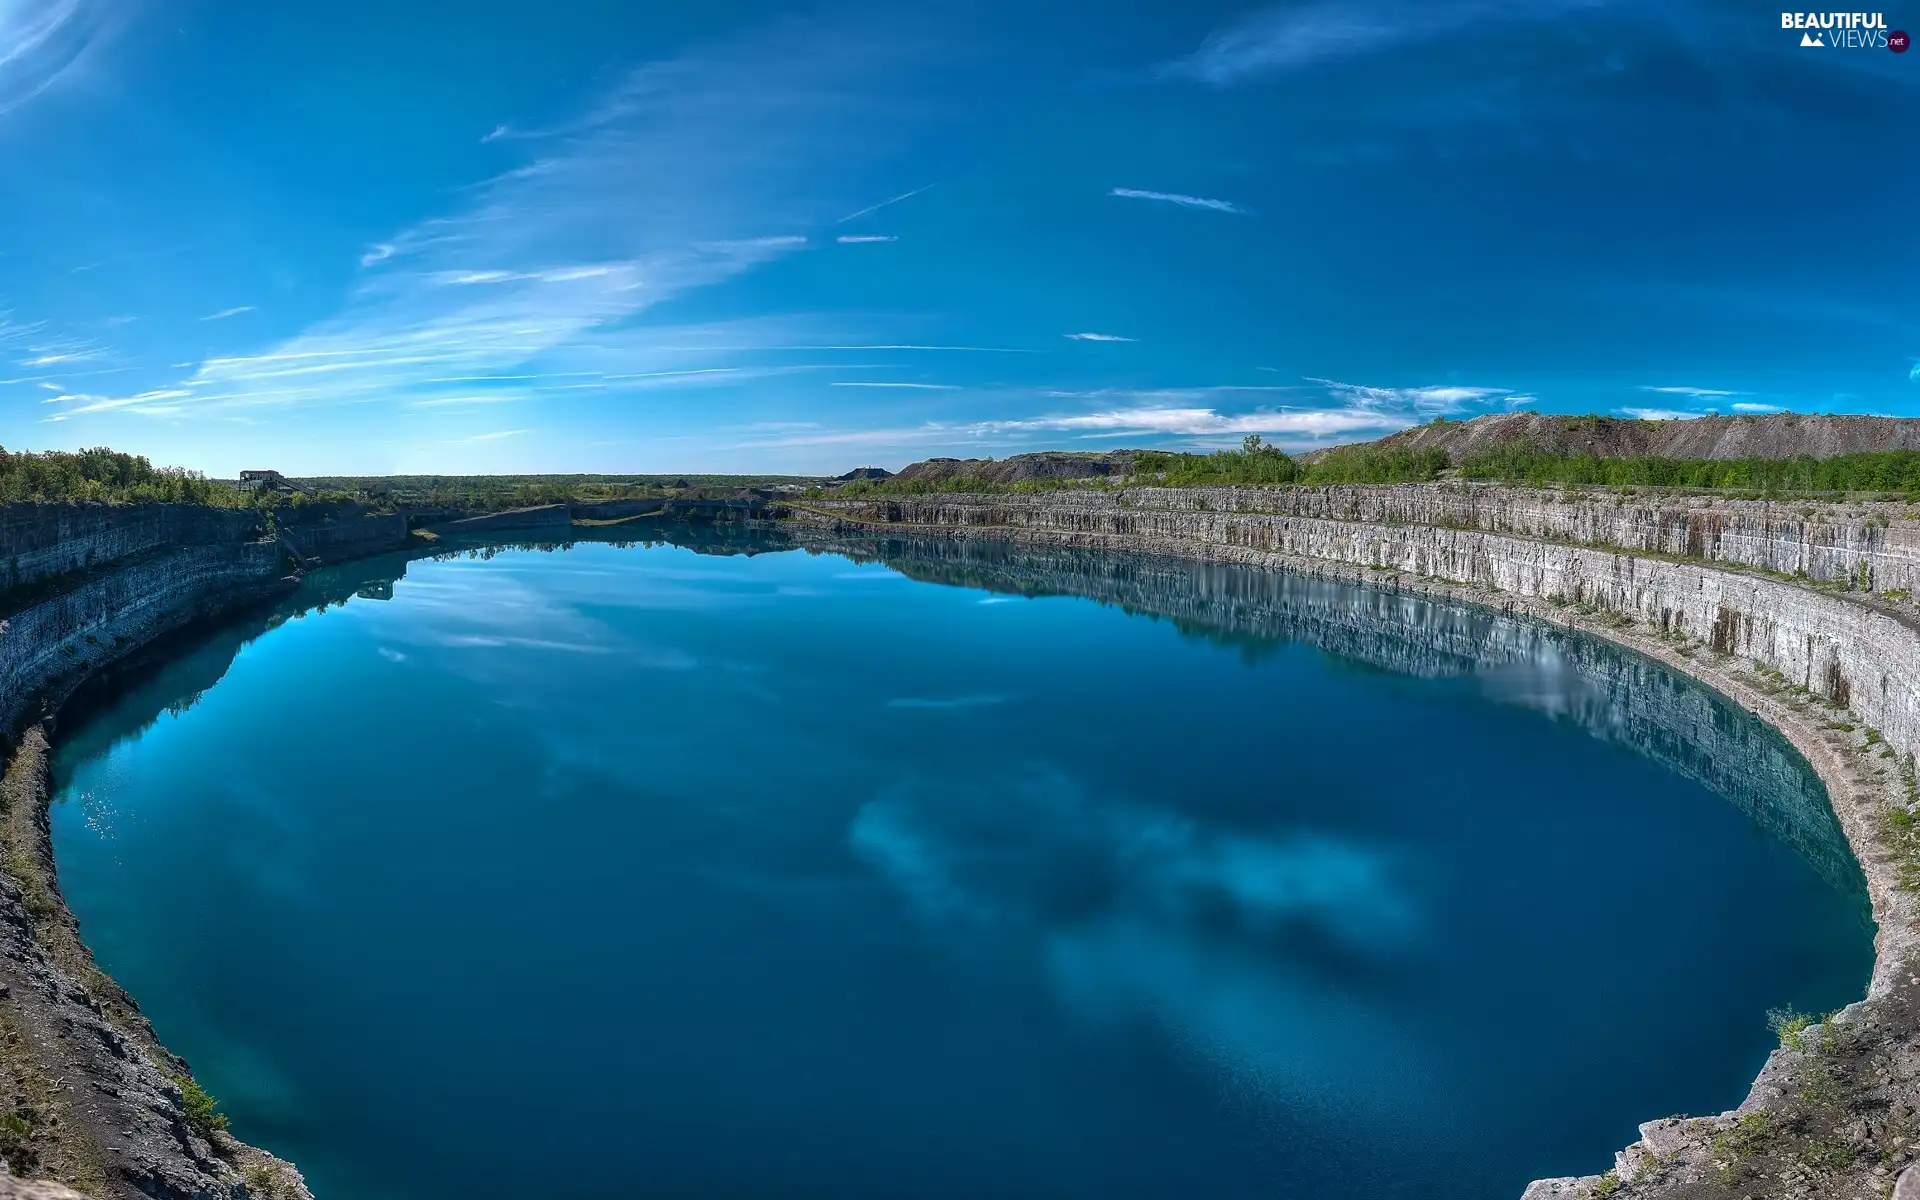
(1797, 613)
(88, 1094)
(319, 534)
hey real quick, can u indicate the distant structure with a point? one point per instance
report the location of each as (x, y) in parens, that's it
(271, 481)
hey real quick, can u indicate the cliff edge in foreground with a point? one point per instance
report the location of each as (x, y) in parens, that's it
(88, 1094)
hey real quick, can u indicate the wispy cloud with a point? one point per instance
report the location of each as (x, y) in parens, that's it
(546, 269)
(39, 41)
(495, 134)
(870, 346)
(1658, 414)
(1327, 410)
(928, 387)
(1226, 206)
(1097, 337)
(874, 208)
(1202, 422)
(1696, 392)
(1293, 36)
(1751, 407)
(36, 346)
(1426, 401)
(492, 437)
(224, 313)
(862, 239)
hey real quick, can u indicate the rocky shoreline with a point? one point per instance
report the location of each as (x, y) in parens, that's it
(88, 1094)
(1815, 649)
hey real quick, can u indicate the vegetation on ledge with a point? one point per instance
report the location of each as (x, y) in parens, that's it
(1257, 464)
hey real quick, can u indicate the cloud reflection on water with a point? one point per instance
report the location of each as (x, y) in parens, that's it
(1264, 959)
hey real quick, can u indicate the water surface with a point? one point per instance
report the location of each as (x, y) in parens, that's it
(618, 871)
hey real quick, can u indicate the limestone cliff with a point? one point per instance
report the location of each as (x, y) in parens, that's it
(88, 1094)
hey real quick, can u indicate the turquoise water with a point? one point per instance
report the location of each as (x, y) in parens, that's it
(616, 871)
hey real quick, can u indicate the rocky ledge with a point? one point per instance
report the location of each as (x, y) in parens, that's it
(1799, 613)
(88, 1094)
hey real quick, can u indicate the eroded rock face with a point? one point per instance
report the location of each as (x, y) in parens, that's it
(1857, 649)
(88, 1094)
(42, 541)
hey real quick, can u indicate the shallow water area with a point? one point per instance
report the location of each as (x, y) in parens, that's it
(939, 869)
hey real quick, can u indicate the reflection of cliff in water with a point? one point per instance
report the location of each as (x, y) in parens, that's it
(172, 674)
(1614, 694)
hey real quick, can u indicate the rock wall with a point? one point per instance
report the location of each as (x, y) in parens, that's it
(336, 533)
(52, 645)
(87, 1092)
(39, 541)
(1860, 653)
(616, 510)
(1825, 541)
(545, 517)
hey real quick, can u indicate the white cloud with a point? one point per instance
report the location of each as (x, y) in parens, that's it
(1097, 337)
(1430, 400)
(1176, 198)
(863, 239)
(874, 208)
(492, 437)
(1696, 392)
(1199, 422)
(1750, 407)
(690, 173)
(770, 347)
(224, 313)
(39, 41)
(1294, 36)
(498, 132)
(929, 387)
(1658, 414)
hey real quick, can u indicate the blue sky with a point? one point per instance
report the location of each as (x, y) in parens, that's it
(616, 236)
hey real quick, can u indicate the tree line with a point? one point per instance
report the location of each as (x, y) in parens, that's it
(1257, 463)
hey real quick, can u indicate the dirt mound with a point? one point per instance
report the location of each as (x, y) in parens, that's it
(1781, 435)
(1023, 468)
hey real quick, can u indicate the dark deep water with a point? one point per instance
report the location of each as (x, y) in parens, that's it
(623, 871)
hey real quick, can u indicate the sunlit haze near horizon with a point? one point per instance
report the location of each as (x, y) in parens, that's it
(603, 236)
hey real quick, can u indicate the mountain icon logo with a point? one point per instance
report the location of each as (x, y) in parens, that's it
(1811, 39)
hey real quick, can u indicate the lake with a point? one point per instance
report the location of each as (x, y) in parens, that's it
(938, 869)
